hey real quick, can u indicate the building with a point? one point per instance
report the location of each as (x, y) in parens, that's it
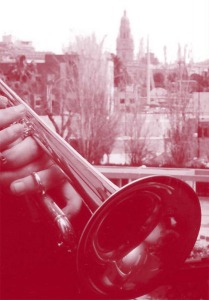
(10, 49)
(125, 44)
(134, 92)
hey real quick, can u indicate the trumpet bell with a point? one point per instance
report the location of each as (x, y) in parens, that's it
(138, 237)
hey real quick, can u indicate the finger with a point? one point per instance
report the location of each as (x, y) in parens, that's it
(3, 102)
(21, 154)
(11, 115)
(10, 134)
(7, 177)
(48, 178)
(72, 199)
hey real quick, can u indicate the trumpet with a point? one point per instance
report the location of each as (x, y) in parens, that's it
(136, 237)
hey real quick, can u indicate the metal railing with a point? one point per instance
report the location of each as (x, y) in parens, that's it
(121, 175)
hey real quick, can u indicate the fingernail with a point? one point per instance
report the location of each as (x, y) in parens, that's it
(18, 188)
(20, 108)
(3, 101)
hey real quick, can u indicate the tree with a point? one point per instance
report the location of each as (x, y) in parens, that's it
(121, 76)
(57, 107)
(202, 82)
(159, 79)
(85, 85)
(137, 144)
(23, 77)
(181, 144)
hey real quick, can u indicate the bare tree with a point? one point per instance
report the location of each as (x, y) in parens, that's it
(181, 144)
(137, 144)
(85, 86)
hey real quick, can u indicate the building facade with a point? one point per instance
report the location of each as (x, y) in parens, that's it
(134, 91)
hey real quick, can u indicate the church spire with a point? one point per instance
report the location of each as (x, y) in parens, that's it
(125, 45)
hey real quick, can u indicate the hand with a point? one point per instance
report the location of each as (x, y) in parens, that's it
(20, 157)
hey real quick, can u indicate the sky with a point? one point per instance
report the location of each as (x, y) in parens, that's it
(53, 24)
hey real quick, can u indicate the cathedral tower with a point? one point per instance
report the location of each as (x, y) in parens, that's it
(125, 45)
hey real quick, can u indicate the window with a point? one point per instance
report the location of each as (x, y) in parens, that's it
(37, 101)
(203, 130)
(122, 101)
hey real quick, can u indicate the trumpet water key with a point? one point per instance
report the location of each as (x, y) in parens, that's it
(136, 236)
